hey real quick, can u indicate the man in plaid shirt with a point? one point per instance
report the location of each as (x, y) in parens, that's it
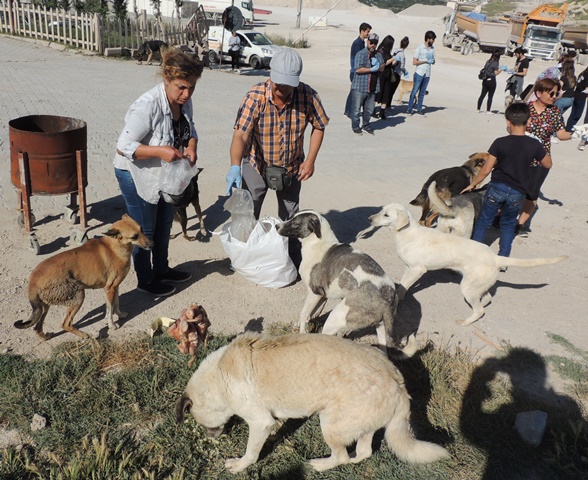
(269, 132)
(365, 85)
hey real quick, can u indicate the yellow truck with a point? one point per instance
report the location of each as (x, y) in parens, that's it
(538, 31)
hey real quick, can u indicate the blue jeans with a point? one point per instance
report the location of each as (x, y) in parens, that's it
(499, 195)
(564, 103)
(576, 114)
(359, 100)
(156, 222)
(420, 85)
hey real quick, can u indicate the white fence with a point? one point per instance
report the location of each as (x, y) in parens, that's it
(88, 31)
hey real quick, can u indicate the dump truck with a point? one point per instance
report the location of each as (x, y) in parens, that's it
(575, 37)
(539, 31)
(468, 31)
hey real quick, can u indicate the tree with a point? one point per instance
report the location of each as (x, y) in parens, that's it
(120, 8)
(156, 4)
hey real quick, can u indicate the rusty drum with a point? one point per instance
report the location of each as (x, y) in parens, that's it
(51, 143)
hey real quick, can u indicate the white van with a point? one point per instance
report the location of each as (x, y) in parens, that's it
(256, 49)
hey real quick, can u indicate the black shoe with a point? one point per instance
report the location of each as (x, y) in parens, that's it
(422, 114)
(156, 288)
(357, 131)
(383, 114)
(522, 231)
(174, 276)
(368, 130)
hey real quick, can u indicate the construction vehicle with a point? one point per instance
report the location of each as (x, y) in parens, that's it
(539, 31)
(575, 37)
(468, 31)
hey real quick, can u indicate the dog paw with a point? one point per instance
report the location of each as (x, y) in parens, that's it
(322, 464)
(236, 465)
(122, 314)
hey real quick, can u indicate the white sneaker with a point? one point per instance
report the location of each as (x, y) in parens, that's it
(581, 147)
(480, 111)
(489, 112)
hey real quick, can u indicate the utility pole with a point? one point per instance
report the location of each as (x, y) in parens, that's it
(299, 13)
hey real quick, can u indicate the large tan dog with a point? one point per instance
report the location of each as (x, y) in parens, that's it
(354, 389)
(99, 263)
(423, 249)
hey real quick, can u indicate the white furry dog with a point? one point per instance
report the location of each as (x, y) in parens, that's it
(423, 249)
(353, 388)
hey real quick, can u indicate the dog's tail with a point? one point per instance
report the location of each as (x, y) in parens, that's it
(402, 441)
(39, 307)
(437, 202)
(420, 199)
(527, 262)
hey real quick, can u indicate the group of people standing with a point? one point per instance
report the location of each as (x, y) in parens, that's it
(376, 69)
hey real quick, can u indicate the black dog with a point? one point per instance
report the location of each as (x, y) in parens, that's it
(149, 48)
(181, 202)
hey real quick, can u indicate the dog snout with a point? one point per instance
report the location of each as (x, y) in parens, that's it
(146, 244)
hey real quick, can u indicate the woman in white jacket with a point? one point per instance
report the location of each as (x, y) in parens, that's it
(158, 127)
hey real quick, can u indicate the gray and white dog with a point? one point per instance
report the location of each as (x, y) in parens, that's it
(335, 270)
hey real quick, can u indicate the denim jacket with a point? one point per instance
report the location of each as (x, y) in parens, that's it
(148, 122)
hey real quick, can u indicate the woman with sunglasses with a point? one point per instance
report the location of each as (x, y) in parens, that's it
(546, 120)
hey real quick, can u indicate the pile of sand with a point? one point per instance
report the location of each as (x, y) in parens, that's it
(432, 11)
(326, 4)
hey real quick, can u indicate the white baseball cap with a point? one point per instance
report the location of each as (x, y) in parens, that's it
(286, 67)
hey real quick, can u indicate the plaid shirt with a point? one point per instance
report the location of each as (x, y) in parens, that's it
(277, 136)
(361, 81)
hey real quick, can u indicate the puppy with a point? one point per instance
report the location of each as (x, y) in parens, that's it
(181, 202)
(149, 48)
(99, 263)
(334, 270)
(354, 389)
(450, 182)
(458, 214)
(423, 249)
(404, 86)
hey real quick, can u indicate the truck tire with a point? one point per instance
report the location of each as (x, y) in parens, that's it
(455, 44)
(446, 40)
(212, 57)
(255, 62)
(464, 48)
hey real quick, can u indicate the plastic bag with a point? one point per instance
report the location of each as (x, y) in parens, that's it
(264, 258)
(175, 176)
(240, 205)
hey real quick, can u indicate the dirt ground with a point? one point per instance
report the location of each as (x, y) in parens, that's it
(354, 177)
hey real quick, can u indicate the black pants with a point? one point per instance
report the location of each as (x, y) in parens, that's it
(234, 59)
(488, 87)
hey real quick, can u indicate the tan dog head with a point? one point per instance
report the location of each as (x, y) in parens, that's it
(476, 161)
(128, 232)
(393, 215)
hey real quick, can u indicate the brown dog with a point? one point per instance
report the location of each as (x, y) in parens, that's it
(450, 182)
(405, 86)
(99, 263)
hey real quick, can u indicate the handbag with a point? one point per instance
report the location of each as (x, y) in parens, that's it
(276, 178)
(482, 74)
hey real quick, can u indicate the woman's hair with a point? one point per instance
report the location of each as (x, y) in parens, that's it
(177, 64)
(495, 55)
(404, 42)
(568, 71)
(520, 50)
(545, 85)
(387, 45)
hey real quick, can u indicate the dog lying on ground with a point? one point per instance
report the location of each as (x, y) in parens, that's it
(354, 389)
(181, 202)
(458, 214)
(334, 270)
(450, 182)
(149, 48)
(99, 263)
(423, 249)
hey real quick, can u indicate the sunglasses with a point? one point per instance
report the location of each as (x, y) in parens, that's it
(553, 94)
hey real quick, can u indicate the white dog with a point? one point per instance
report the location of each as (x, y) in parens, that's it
(354, 388)
(423, 249)
(335, 270)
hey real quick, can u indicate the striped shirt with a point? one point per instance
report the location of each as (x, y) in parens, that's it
(277, 136)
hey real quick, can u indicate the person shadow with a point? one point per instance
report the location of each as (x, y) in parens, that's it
(498, 390)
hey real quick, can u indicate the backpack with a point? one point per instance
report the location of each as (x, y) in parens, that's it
(482, 74)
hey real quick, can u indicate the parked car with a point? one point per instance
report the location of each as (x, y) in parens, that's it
(256, 49)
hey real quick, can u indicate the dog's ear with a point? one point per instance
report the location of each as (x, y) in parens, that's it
(315, 225)
(113, 232)
(182, 406)
(402, 220)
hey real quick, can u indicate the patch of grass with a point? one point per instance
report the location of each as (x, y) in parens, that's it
(110, 415)
(288, 42)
